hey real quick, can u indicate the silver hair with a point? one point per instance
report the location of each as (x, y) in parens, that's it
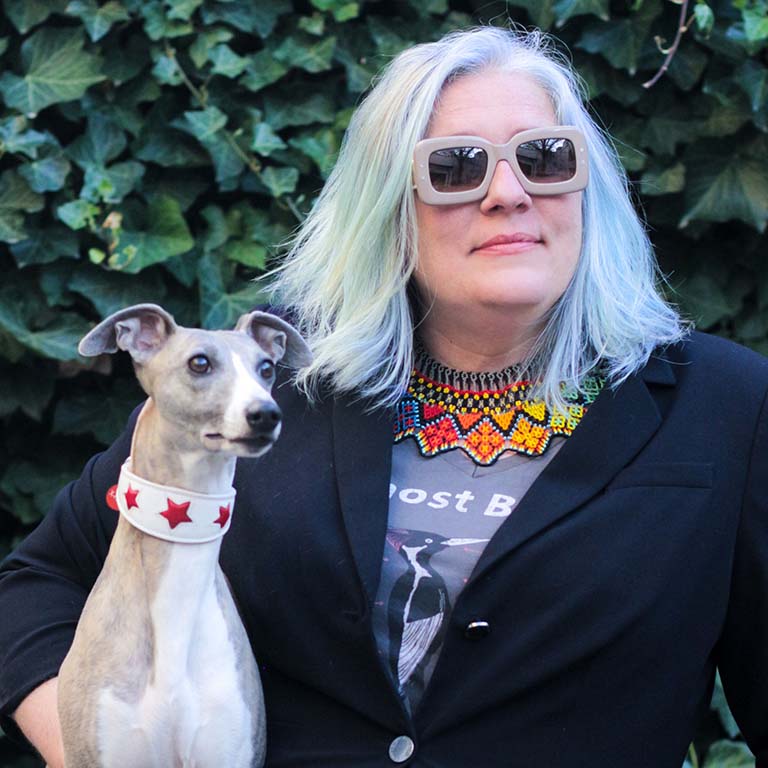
(346, 276)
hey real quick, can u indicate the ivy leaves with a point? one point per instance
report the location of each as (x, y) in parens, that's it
(55, 69)
(16, 198)
(164, 149)
(722, 186)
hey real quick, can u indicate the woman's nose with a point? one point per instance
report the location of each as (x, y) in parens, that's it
(505, 190)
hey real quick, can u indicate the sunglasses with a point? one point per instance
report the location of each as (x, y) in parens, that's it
(459, 169)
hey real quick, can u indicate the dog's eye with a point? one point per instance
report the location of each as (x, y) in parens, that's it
(199, 364)
(267, 370)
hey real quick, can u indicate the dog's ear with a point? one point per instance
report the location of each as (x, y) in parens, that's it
(140, 330)
(276, 337)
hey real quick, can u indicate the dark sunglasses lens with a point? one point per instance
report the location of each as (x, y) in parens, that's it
(457, 169)
(546, 161)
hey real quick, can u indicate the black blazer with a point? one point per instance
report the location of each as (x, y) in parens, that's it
(636, 563)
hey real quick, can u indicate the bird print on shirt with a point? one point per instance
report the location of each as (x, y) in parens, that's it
(418, 605)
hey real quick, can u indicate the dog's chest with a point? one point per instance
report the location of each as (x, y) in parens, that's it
(195, 710)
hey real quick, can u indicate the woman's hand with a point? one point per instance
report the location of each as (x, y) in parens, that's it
(38, 718)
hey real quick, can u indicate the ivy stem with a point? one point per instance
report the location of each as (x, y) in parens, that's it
(170, 52)
(294, 209)
(202, 99)
(681, 29)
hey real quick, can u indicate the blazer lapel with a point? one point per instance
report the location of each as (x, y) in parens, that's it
(619, 423)
(362, 446)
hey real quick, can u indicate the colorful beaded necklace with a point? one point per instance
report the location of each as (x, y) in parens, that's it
(483, 414)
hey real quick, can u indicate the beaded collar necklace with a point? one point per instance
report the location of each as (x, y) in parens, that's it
(484, 413)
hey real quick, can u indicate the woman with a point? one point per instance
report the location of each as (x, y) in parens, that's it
(570, 531)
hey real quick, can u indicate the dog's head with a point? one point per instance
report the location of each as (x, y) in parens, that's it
(214, 386)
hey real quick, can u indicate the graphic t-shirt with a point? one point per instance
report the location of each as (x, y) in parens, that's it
(443, 510)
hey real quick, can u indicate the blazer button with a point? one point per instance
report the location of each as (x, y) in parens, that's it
(477, 630)
(401, 749)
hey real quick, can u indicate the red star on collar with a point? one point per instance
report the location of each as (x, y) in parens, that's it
(176, 513)
(223, 516)
(130, 497)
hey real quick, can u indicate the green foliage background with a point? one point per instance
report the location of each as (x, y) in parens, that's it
(160, 150)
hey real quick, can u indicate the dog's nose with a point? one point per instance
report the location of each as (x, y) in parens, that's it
(264, 418)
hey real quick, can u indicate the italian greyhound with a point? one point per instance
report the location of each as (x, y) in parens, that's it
(161, 672)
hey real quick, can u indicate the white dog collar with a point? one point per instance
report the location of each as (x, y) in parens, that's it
(173, 514)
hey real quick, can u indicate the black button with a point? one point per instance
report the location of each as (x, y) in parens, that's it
(476, 630)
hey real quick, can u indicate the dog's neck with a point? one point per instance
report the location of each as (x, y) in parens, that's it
(163, 456)
(171, 493)
(178, 575)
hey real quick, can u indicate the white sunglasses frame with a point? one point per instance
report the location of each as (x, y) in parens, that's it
(497, 152)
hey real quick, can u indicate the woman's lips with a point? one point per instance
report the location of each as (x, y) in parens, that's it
(519, 241)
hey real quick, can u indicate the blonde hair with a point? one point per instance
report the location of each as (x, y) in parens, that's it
(345, 278)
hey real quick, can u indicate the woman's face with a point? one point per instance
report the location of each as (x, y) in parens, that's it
(461, 272)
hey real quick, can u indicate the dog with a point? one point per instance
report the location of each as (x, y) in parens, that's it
(161, 673)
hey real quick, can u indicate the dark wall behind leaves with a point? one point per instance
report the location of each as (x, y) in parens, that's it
(158, 151)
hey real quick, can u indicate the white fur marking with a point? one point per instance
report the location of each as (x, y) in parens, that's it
(246, 392)
(194, 709)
